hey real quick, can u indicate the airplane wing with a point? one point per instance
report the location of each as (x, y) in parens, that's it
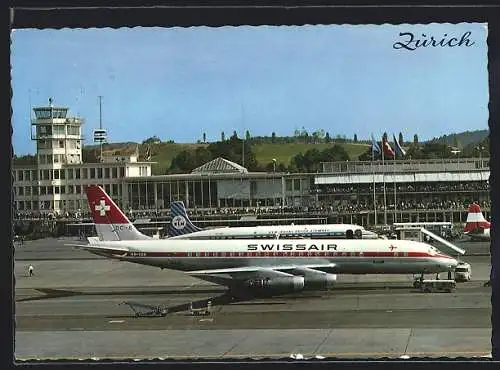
(76, 245)
(101, 251)
(228, 275)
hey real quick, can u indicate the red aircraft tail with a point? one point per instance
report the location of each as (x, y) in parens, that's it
(475, 219)
(110, 222)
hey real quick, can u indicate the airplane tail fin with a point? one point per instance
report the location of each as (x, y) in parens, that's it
(180, 224)
(475, 219)
(110, 222)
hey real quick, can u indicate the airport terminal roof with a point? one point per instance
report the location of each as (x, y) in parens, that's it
(220, 165)
(459, 176)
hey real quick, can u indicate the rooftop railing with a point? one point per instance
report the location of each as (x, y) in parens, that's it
(414, 165)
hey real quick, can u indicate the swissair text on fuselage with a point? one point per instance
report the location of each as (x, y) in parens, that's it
(292, 247)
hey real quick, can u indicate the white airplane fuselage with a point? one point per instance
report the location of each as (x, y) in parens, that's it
(344, 256)
(329, 231)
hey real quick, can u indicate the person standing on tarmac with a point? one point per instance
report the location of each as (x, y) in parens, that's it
(30, 270)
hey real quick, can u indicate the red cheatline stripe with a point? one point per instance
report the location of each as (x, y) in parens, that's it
(273, 254)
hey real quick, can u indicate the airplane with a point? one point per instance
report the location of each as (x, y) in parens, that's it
(181, 227)
(476, 226)
(256, 266)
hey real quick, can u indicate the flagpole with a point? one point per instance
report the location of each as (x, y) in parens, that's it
(374, 196)
(394, 174)
(383, 179)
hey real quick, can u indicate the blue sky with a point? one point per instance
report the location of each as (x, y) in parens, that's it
(177, 83)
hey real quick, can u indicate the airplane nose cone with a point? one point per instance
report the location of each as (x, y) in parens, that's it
(450, 263)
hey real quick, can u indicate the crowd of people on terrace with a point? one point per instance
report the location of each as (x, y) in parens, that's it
(404, 188)
(319, 209)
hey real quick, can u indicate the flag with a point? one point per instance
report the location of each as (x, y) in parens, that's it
(375, 147)
(387, 149)
(399, 151)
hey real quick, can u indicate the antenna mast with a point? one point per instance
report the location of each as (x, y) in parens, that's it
(100, 135)
(100, 120)
(243, 136)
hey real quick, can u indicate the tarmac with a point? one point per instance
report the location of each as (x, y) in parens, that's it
(72, 308)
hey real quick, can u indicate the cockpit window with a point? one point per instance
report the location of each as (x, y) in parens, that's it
(433, 250)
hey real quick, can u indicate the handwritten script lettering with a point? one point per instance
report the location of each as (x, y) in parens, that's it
(410, 42)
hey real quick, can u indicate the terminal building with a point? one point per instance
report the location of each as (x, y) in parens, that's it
(402, 190)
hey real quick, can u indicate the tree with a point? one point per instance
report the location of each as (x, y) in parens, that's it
(318, 135)
(327, 137)
(273, 137)
(400, 138)
(90, 156)
(29, 159)
(366, 156)
(355, 138)
(204, 137)
(384, 136)
(415, 139)
(315, 137)
(334, 153)
(222, 136)
(247, 135)
(234, 137)
(152, 140)
(185, 161)
(413, 152)
(311, 160)
(436, 150)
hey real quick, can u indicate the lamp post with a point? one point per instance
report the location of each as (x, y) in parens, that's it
(480, 149)
(274, 180)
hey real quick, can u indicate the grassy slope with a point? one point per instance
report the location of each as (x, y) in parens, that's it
(164, 153)
(284, 152)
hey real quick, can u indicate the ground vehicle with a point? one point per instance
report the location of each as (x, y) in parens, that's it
(463, 272)
(202, 311)
(433, 286)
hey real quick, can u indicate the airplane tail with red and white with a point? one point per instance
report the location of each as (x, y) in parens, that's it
(476, 226)
(110, 222)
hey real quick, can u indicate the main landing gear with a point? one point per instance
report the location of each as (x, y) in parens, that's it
(418, 281)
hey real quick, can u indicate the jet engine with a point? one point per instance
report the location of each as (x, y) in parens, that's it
(280, 284)
(317, 280)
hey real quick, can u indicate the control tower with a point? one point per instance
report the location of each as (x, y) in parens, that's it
(58, 142)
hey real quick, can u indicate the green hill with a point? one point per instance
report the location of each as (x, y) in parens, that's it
(463, 139)
(163, 153)
(283, 152)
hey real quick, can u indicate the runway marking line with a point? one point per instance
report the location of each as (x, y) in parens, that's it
(115, 321)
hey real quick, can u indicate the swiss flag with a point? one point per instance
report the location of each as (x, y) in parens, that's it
(387, 148)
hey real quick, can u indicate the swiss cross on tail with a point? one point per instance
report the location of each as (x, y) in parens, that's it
(102, 207)
(104, 210)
